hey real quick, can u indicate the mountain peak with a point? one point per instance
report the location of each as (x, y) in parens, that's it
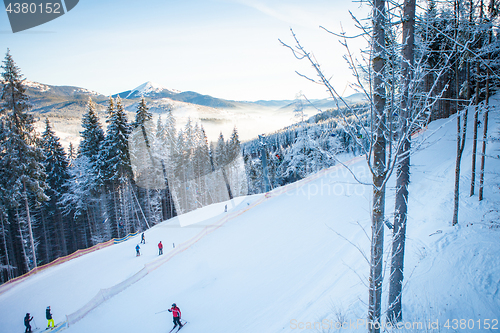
(150, 88)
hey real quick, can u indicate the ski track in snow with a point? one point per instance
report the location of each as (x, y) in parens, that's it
(280, 260)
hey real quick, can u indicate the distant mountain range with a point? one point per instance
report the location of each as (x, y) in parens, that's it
(319, 104)
(154, 91)
(65, 105)
(66, 100)
(60, 100)
(323, 104)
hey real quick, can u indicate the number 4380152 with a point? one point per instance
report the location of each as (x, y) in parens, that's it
(25, 8)
(464, 324)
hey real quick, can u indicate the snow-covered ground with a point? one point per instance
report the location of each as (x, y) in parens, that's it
(294, 258)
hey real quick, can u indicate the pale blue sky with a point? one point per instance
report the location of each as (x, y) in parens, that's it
(224, 48)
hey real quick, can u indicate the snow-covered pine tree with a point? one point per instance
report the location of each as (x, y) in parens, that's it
(221, 161)
(82, 201)
(170, 138)
(148, 173)
(71, 154)
(162, 147)
(142, 114)
(22, 171)
(57, 233)
(169, 157)
(236, 169)
(305, 156)
(92, 135)
(179, 174)
(203, 170)
(115, 169)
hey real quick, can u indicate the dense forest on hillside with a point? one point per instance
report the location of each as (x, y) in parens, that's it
(134, 174)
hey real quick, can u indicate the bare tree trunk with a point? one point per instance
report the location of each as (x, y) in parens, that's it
(485, 128)
(88, 230)
(461, 131)
(403, 169)
(476, 107)
(485, 138)
(30, 230)
(474, 145)
(45, 238)
(226, 180)
(25, 255)
(62, 233)
(7, 261)
(379, 167)
(461, 127)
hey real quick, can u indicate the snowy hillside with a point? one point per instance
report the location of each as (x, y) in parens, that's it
(292, 258)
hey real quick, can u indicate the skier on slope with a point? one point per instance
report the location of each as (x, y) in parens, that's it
(160, 248)
(48, 315)
(176, 312)
(137, 248)
(143, 240)
(27, 320)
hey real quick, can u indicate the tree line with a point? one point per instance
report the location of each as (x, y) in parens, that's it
(132, 175)
(422, 63)
(124, 179)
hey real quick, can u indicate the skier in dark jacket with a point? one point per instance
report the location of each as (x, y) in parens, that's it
(27, 320)
(48, 315)
(176, 312)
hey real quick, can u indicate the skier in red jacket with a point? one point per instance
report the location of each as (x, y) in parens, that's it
(160, 248)
(176, 312)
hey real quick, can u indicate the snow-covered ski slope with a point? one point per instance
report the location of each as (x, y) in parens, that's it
(293, 258)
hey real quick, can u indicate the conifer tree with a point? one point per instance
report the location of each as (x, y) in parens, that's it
(115, 168)
(71, 154)
(81, 201)
(201, 168)
(142, 114)
(56, 169)
(221, 161)
(92, 134)
(165, 149)
(115, 156)
(147, 167)
(22, 172)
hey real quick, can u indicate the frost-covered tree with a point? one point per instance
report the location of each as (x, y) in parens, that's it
(221, 160)
(115, 168)
(142, 114)
(71, 154)
(82, 201)
(21, 166)
(55, 228)
(146, 163)
(403, 166)
(203, 169)
(92, 134)
(163, 149)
